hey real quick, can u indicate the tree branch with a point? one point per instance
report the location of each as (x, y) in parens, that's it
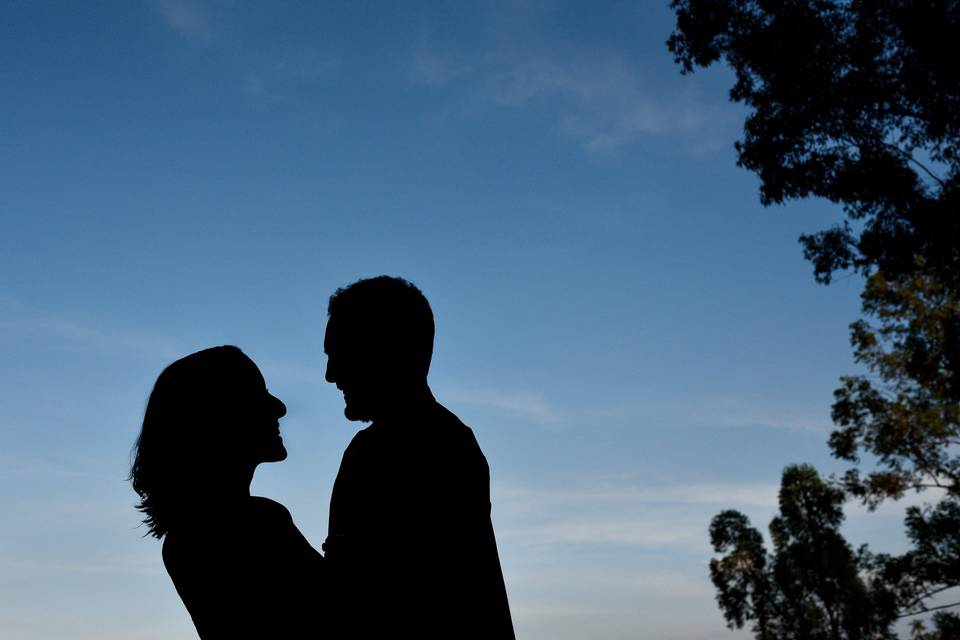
(926, 595)
(906, 155)
(931, 486)
(928, 610)
(930, 173)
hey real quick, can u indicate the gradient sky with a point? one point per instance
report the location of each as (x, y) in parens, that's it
(636, 343)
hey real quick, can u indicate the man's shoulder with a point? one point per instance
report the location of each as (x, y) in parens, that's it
(455, 443)
(361, 440)
(448, 418)
(437, 432)
(362, 437)
(453, 428)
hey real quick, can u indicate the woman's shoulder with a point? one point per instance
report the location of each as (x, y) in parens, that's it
(184, 551)
(222, 527)
(266, 507)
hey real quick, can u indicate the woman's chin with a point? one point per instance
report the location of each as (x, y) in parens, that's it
(275, 453)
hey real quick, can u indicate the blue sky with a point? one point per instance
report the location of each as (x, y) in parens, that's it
(635, 341)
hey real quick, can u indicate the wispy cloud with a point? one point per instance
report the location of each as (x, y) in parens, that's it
(624, 553)
(644, 583)
(260, 70)
(651, 533)
(648, 517)
(530, 406)
(730, 411)
(300, 68)
(430, 68)
(16, 316)
(734, 494)
(654, 517)
(20, 468)
(592, 602)
(186, 18)
(725, 413)
(602, 101)
(130, 564)
(118, 341)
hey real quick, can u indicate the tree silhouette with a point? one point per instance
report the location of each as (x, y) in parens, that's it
(908, 422)
(813, 585)
(858, 102)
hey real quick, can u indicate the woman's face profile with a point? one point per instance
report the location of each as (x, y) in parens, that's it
(253, 417)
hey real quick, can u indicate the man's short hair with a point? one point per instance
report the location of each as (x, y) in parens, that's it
(388, 313)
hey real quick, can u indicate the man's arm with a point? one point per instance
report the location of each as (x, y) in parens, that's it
(468, 562)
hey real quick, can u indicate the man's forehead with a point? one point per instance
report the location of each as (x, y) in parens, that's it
(337, 333)
(352, 334)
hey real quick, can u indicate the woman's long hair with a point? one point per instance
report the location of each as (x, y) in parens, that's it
(182, 440)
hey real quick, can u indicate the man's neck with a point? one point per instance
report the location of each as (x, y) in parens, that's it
(406, 405)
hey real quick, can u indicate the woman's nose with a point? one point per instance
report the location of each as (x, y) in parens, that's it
(281, 408)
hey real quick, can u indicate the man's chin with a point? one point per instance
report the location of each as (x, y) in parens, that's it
(356, 414)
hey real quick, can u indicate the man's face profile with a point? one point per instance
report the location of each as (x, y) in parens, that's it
(353, 367)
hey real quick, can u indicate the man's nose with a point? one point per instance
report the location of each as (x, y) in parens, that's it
(329, 374)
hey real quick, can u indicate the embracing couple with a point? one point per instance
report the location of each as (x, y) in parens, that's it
(410, 552)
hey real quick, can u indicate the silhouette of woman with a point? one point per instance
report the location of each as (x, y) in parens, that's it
(238, 562)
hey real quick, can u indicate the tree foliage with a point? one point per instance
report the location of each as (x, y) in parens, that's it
(854, 101)
(813, 585)
(858, 102)
(910, 420)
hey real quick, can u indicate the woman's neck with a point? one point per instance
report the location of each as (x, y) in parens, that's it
(229, 485)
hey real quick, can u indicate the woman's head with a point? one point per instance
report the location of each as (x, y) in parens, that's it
(209, 420)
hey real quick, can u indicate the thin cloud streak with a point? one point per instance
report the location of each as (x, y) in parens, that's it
(529, 406)
(20, 318)
(141, 565)
(722, 413)
(292, 70)
(628, 583)
(185, 18)
(601, 101)
(744, 494)
(654, 518)
(604, 102)
(649, 533)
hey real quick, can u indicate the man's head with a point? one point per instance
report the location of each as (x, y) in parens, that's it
(379, 342)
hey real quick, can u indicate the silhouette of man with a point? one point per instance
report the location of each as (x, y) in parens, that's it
(411, 545)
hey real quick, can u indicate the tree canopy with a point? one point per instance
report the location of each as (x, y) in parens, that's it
(858, 102)
(813, 585)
